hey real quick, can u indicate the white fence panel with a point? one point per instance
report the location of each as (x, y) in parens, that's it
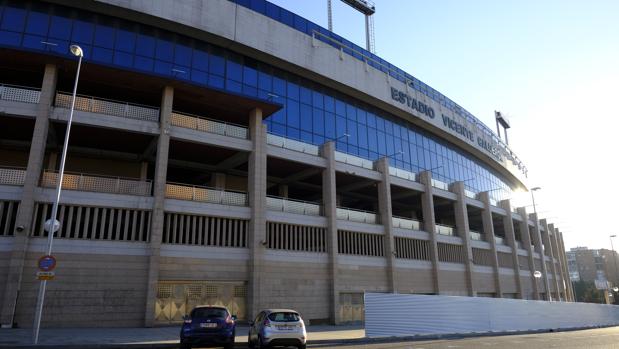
(400, 315)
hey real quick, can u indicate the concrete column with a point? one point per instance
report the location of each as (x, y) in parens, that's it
(157, 218)
(384, 205)
(462, 226)
(486, 218)
(548, 228)
(26, 205)
(218, 181)
(568, 281)
(257, 190)
(508, 226)
(538, 248)
(429, 224)
(557, 253)
(526, 240)
(330, 201)
(282, 190)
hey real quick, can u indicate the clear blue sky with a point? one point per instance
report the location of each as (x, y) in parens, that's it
(552, 66)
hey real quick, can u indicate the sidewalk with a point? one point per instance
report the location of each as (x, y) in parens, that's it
(158, 337)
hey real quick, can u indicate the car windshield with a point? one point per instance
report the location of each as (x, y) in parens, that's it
(284, 317)
(211, 313)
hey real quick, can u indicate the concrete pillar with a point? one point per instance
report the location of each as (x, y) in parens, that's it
(538, 248)
(462, 226)
(384, 205)
(282, 190)
(330, 201)
(429, 224)
(157, 218)
(526, 241)
(486, 218)
(218, 181)
(257, 190)
(143, 170)
(568, 281)
(548, 229)
(26, 205)
(508, 226)
(558, 253)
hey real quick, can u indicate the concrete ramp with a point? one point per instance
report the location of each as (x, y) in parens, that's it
(400, 315)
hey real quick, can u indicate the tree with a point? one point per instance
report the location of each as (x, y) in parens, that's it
(586, 292)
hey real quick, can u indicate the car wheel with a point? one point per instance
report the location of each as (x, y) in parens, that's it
(301, 346)
(261, 345)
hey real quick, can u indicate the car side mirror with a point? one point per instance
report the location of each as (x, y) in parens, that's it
(234, 317)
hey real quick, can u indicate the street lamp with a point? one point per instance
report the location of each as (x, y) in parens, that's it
(533, 198)
(52, 225)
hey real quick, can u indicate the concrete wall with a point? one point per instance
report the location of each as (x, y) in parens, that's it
(91, 289)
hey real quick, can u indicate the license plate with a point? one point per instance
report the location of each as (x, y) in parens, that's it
(208, 325)
(285, 327)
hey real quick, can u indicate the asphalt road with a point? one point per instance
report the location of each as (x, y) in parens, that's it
(603, 338)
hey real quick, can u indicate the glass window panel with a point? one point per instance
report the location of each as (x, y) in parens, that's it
(215, 81)
(286, 17)
(143, 63)
(182, 55)
(306, 117)
(292, 90)
(329, 103)
(83, 31)
(234, 86)
(382, 146)
(250, 90)
(264, 81)
(372, 144)
(340, 126)
(351, 129)
(306, 95)
(272, 10)
(340, 107)
(278, 129)
(306, 136)
(34, 42)
(250, 76)
(293, 133)
(318, 121)
(330, 126)
(362, 135)
(145, 45)
(199, 77)
(38, 23)
(165, 49)
(200, 59)
(102, 55)
(104, 35)
(292, 113)
(279, 87)
(164, 68)
(217, 63)
(234, 68)
(317, 99)
(124, 59)
(60, 28)
(13, 19)
(258, 6)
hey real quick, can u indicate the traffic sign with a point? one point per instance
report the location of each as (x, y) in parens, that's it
(45, 275)
(47, 263)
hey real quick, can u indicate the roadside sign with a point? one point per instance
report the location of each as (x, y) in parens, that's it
(47, 263)
(45, 275)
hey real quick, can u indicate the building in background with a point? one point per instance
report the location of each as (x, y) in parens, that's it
(591, 265)
(234, 153)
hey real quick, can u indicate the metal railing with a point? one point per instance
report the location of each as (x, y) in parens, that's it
(439, 184)
(97, 183)
(470, 194)
(499, 240)
(20, 93)
(475, 235)
(12, 175)
(405, 223)
(353, 160)
(108, 107)
(292, 144)
(350, 214)
(445, 230)
(411, 176)
(181, 191)
(276, 203)
(203, 124)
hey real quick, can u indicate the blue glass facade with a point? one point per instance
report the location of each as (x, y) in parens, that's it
(311, 113)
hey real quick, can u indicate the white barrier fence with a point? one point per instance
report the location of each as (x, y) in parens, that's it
(400, 315)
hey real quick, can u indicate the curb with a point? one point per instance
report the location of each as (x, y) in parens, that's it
(311, 343)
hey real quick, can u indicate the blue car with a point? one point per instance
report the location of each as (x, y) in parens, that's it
(208, 326)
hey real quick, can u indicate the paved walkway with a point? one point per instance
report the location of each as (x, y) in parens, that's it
(143, 337)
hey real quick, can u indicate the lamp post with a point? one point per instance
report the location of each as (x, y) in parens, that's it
(614, 257)
(52, 225)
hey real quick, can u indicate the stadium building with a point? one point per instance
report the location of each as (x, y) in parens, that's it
(234, 153)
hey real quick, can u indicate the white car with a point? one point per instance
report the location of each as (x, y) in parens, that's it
(277, 327)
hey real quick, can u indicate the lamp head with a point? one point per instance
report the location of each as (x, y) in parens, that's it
(536, 188)
(613, 236)
(77, 51)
